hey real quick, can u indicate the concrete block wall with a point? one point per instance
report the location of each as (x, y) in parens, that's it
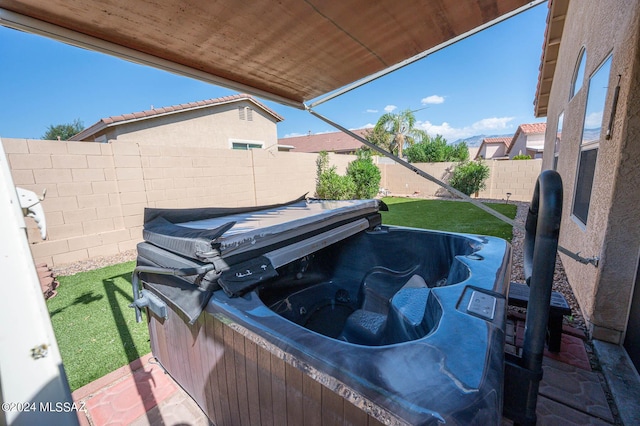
(515, 176)
(82, 205)
(399, 180)
(96, 193)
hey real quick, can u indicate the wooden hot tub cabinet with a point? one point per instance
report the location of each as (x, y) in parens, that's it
(237, 378)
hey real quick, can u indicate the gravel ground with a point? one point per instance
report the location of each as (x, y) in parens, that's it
(560, 282)
(94, 263)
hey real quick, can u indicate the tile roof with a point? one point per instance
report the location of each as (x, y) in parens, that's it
(509, 141)
(331, 142)
(533, 128)
(156, 112)
(504, 139)
(527, 129)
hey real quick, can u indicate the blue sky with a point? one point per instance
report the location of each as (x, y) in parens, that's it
(484, 84)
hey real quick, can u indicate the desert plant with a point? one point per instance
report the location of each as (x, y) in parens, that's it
(469, 177)
(364, 174)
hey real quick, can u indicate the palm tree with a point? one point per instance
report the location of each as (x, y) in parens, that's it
(400, 130)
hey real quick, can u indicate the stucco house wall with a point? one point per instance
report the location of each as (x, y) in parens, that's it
(214, 127)
(493, 150)
(519, 146)
(612, 231)
(523, 142)
(216, 123)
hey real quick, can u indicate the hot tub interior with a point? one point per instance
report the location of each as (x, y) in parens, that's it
(373, 289)
(328, 289)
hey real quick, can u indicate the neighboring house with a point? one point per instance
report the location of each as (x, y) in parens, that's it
(236, 122)
(493, 148)
(589, 90)
(528, 140)
(337, 142)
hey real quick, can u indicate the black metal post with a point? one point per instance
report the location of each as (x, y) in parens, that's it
(542, 229)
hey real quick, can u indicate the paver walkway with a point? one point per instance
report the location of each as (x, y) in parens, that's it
(570, 393)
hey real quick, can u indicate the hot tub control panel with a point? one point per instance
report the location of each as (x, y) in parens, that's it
(482, 304)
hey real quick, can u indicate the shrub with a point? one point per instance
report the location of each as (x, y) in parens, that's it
(435, 150)
(522, 157)
(329, 184)
(332, 186)
(364, 174)
(361, 181)
(469, 177)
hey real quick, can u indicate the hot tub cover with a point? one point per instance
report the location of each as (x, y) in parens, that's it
(236, 240)
(195, 232)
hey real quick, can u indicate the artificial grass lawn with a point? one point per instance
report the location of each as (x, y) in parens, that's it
(95, 329)
(453, 216)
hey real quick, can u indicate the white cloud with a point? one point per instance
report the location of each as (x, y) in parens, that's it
(390, 108)
(373, 111)
(484, 126)
(433, 99)
(491, 124)
(593, 120)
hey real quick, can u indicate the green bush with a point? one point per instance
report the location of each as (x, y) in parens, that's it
(329, 184)
(435, 150)
(365, 175)
(469, 177)
(332, 186)
(361, 181)
(522, 157)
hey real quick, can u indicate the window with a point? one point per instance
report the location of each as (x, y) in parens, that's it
(584, 184)
(241, 114)
(556, 147)
(244, 146)
(578, 74)
(590, 143)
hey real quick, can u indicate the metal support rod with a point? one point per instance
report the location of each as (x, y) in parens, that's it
(575, 256)
(416, 170)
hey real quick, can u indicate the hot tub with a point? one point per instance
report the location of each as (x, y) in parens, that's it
(375, 324)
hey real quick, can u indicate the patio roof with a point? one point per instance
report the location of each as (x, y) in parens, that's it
(291, 51)
(550, 49)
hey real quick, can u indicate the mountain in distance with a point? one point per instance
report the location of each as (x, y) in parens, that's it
(473, 141)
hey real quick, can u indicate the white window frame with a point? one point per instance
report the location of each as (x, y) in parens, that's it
(577, 80)
(256, 144)
(558, 140)
(587, 145)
